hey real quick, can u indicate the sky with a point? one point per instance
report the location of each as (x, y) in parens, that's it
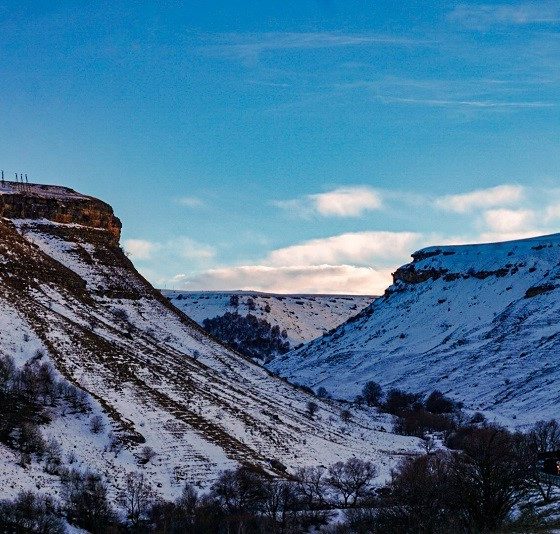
(289, 146)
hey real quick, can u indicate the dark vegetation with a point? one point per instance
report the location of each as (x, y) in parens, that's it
(249, 335)
(473, 477)
(31, 397)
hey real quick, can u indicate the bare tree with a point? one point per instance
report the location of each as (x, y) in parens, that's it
(311, 485)
(146, 455)
(352, 480)
(136, 498)
(543, 439)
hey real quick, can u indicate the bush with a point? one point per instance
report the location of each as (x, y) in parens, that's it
(30, 512)
(312, 409)
(438, 403)
(398, 401)
(372, 393)
(96, 424)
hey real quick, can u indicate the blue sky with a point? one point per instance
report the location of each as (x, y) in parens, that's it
(289, 146)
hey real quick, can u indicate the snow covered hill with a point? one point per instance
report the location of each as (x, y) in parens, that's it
(69, 296)
(479, 322)
(304, 317)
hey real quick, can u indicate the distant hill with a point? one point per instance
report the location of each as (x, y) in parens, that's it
(302, 317)
(479, 322)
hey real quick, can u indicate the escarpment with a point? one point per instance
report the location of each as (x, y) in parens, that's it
(59, 205)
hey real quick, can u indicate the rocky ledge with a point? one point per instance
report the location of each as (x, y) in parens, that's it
(57, 204)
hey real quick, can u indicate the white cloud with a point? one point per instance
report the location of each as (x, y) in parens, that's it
(347, 279)
(359, 247)
(140, 249)
(190, 249)
(486, 15)
(337, 264)
(183, 248)
(501, 195)
(347, 202)
(190, 202)
(341, 202)
(509, 221)
(552, 213)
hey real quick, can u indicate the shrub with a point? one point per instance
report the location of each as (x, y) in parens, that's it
(312, 409)
(372, 393)
(438, 403)
(398, 401)
(96, 424)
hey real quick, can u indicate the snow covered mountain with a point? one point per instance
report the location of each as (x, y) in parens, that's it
(479, 322)
(304, 317)
(69, 296)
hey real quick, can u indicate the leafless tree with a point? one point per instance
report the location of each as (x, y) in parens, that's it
(352, 479)
(543, 438)
(146, 455)
(136, 498)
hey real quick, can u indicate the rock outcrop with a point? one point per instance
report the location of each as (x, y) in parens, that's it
(59, 205)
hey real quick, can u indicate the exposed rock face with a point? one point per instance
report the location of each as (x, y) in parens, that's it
(60, 205)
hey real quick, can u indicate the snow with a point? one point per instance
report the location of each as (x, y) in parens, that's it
(304, 317)
(469, 331)
(40, 190)
(155, 376)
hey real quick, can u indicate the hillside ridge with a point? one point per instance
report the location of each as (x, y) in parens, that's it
(479, 322)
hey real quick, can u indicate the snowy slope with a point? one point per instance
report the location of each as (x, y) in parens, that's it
(480, 322)
(304, 317)
(67, 289)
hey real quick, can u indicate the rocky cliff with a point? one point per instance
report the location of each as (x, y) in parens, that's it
(59, 205)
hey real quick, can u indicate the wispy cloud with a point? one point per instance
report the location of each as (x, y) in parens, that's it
(341, 202)
(487, 15)
(179, 248)
(475, 94)
(190, 202)
(251, 46)
(481, 104)
(500, 195)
